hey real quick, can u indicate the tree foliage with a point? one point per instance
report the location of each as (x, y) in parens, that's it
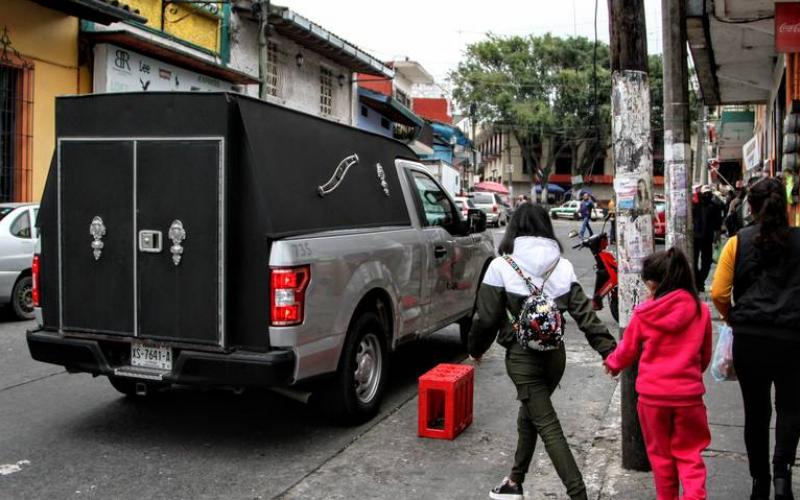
(541, 89)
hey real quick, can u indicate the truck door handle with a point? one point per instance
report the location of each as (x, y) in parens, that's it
(439, 251)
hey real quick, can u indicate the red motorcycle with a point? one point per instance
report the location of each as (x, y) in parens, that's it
(606, 284)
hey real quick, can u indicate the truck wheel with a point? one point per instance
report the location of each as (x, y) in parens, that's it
(22, 298)
(354, 395)
(127, 386)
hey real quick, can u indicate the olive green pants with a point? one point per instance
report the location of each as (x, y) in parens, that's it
(536, 375)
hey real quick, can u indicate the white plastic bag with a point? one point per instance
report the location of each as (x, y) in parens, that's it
(722, 362)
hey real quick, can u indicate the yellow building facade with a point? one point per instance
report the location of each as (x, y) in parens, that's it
(39, 61)
(46, 51)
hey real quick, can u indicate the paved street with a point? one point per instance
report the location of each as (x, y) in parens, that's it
(71, 436)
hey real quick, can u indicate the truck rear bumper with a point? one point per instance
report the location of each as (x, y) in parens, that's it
(239, 369)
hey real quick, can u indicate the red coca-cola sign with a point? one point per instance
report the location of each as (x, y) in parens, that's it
(787, 26)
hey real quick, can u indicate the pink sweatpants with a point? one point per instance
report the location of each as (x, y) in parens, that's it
(675, 438)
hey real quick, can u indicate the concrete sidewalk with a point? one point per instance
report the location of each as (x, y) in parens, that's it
(390, 462)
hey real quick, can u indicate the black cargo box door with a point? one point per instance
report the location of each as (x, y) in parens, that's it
(179, 205)
(96, 235)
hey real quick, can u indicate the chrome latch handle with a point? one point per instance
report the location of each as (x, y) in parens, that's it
(177, 234)
(97, 230)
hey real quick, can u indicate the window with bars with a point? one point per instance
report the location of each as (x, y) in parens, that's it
(16, 125)
(272, 78)
(325, 91)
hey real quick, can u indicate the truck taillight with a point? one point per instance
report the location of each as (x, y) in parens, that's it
(494, 208)
(35, 273)
(288, 294)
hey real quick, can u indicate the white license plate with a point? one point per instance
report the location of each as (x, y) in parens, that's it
(145, 356)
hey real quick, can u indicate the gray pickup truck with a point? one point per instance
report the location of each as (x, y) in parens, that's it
(216, 240)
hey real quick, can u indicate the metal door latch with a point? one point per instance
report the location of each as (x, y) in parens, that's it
(98, 230)
(176, 234)
(150, 241)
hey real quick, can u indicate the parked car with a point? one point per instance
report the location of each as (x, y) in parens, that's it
(17, 240)
(572, 210)
(177, 249)
(660, 218)
(492, 205)
(464, 204)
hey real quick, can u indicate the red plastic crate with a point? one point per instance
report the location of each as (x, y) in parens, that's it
(445, 401)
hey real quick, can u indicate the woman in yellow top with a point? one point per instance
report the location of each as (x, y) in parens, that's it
(756, 289)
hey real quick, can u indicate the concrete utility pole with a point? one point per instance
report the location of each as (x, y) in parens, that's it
(633, 185)
(677, 151)
(263, 47)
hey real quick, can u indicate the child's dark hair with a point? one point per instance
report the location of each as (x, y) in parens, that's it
(672, 271)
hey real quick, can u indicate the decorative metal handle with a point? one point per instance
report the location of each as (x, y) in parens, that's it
(382, 179)
(338, 175)
(177, 234)
(98, 230)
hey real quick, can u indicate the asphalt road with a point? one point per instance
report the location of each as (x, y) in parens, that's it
(73, 436)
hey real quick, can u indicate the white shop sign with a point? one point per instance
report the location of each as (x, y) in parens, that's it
(123, 70)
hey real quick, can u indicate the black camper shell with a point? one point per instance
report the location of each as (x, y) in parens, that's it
(223, 174)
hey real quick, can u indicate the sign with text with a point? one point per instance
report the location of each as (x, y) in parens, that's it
(787, 27)
(122, 70)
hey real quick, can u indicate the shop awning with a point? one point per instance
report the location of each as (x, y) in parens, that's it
(733, 49)
(390, 108)
(153, 48)
(99, 11)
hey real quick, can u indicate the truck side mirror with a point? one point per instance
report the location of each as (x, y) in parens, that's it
(477, 220)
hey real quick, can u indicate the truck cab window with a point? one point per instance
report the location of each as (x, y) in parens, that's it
(435, 203)
(21, 227)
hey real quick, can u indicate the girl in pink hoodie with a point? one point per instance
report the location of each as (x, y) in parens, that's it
(672, 330)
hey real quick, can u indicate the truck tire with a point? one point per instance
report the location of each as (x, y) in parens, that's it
(22, 298)
(355, 393)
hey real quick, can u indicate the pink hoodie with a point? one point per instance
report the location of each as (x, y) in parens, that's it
(676, 349)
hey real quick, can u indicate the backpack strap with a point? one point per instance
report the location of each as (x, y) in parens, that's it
(528, 282)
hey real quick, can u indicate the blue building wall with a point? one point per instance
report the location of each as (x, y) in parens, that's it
(372, 122)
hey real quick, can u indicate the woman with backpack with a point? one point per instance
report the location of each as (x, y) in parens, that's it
(520, 303)
(759, 269)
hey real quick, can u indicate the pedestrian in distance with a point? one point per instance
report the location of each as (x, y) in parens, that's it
(672, 331)
(759, 271)
(587, 205)
(707, 224)
(531, 267)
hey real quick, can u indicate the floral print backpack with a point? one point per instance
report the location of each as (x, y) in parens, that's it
(539, 326)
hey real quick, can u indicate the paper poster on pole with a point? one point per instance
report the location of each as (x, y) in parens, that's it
(636, 243)
(625, 188)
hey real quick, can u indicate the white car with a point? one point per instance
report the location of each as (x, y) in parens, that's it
(18, 237)
(572, 209)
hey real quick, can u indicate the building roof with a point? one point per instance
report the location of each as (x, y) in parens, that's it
(413, 71)
(733, 48)
(390, 108)
(317, 39)
(99, 11)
